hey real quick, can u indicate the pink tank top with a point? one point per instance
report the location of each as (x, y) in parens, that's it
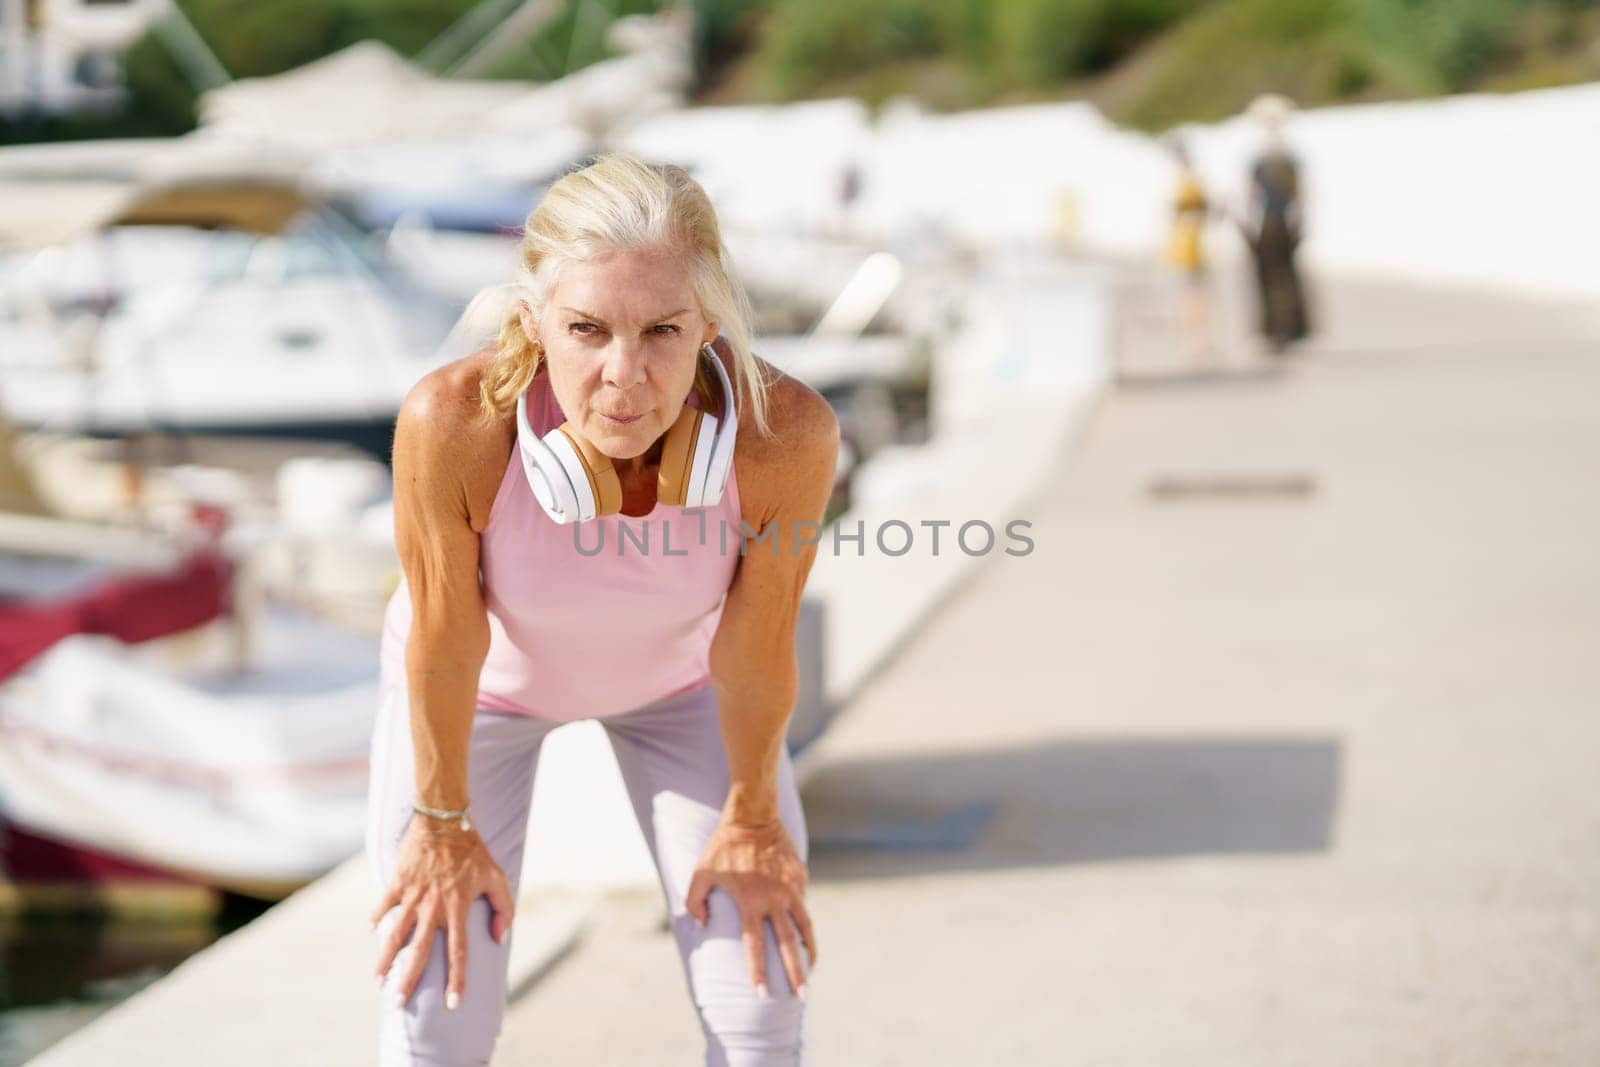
(618, 618)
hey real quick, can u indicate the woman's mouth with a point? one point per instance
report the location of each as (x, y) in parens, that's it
(620, 420)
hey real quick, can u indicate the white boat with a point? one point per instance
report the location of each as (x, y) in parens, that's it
(208, 303)
(252, 781)
(231, 750)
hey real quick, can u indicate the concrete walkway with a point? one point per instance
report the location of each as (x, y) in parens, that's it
(1293, 762)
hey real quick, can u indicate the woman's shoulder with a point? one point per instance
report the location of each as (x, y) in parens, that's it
(439, 429)
(797, 415)
(805, 438)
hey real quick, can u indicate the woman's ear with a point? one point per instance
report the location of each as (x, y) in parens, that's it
(530, 325)
(710, 333)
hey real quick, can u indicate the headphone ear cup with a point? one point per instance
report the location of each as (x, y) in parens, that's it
(719, 456)
(720, 439)
(548, 475)
(677, 456)
(700, 492)
(594, 474)
(573, 476)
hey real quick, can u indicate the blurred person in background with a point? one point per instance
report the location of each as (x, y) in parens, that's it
(849, 189)
(1186, 252)
(1273, 226)
(507, 625)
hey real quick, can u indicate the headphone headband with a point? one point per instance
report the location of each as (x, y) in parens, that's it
(556, 472)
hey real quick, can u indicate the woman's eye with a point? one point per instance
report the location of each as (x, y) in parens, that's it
(582, 327)
(666, 330)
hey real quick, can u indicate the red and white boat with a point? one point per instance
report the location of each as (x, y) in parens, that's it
(173, 718)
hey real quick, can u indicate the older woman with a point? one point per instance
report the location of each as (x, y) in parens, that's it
(569, 505)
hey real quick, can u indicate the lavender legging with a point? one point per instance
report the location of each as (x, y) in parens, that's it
(671, 756)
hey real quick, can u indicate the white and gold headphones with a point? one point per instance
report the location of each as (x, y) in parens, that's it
(575, 482)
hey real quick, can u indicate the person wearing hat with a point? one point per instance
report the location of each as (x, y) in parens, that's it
(1273, 229)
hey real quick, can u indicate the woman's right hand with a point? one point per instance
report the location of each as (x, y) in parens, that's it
(438, 874)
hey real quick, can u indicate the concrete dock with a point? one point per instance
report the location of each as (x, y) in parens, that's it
(1287, 725)
(1278, 749)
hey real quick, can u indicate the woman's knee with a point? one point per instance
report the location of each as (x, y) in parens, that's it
(424, 1031)
(761, 1033)
(742, 1028)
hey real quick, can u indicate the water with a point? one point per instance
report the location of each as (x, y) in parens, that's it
(60, 972)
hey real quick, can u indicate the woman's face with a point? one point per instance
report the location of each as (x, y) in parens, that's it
(621, 331)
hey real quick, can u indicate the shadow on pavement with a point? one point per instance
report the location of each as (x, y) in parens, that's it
(1071, 802)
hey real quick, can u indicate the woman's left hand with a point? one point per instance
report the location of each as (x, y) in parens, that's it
(756, 864)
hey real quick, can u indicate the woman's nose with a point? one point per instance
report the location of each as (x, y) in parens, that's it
(624, 364)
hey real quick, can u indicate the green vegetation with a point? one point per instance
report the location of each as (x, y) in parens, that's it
(252, 38)
(1151, 63)
(1322, 51)
(1002, 44)
(1214, 64)
(1158, 62)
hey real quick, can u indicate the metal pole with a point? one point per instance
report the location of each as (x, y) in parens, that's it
(528, 19)
(189, 50)
(464, 34)
(13, 57)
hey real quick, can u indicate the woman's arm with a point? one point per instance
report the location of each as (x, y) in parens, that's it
(753, 662)
(751, 856)
(438, 550)
(441, 867)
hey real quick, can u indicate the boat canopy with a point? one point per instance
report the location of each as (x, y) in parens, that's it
(37, 214)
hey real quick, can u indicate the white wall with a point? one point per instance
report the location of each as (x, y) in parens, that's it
(1487, 189)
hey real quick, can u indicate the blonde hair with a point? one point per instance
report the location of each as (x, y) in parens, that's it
(619, 202)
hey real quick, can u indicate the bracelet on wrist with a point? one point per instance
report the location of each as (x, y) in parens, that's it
(457, 815)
